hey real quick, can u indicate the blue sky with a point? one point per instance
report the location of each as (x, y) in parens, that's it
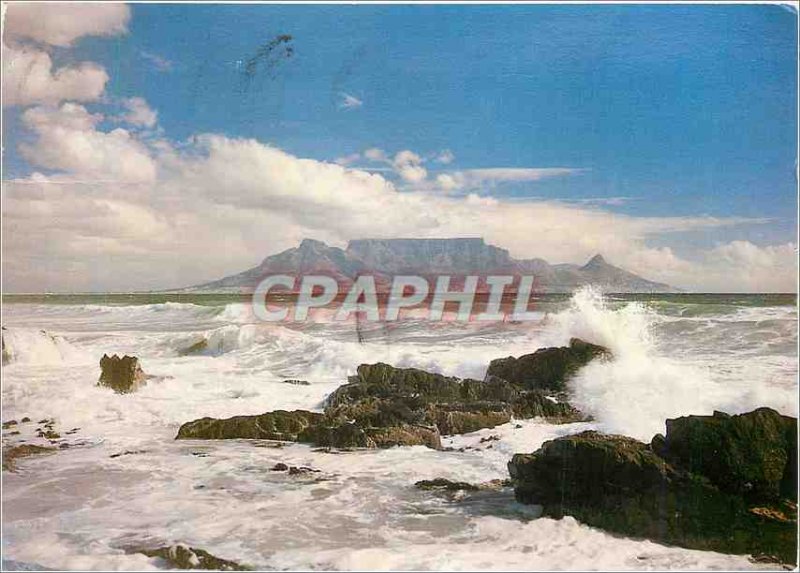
(666, 111)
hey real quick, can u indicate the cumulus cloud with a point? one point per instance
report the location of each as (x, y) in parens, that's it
(408, 165)
(67, 140)
(215, 205)
(60, 24)
(138, 113)
(29, 78)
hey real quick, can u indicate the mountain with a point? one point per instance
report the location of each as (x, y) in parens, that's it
(385, 258)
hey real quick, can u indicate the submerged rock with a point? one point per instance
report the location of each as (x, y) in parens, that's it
(196, 348)
(623, 485)
(12, 453)
(123, 375)
(185, 557)
(442, 484)
(547, 368)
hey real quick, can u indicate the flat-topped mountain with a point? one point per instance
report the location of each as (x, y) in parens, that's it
(385, 258)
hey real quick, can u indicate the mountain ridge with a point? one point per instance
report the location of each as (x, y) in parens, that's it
(385, 258)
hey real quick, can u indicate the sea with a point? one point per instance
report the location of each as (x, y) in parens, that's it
(120, 480)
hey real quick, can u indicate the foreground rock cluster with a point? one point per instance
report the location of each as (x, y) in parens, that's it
(383, 406)
(722, 483)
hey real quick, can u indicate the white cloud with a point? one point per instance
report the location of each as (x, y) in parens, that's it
(67, 140)
(477, 178)
(375, 154)
(204, 211)
(60, 24)
(408, 165)
(29, 78)
(348, 159)
(445, 157)
(349, 101)
(139, 113)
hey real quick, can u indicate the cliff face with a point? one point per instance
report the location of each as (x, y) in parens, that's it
(460, 257)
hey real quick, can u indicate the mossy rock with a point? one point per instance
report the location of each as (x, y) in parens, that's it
(277, 425)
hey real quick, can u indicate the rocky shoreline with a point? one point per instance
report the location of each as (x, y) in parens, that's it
(721, 483)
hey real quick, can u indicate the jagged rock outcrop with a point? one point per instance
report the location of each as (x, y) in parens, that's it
(383, 406)
(547, 368)
(123, 375)
(626, 486)
(184, 557)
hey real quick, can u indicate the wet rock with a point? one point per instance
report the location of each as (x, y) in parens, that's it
(621, 485)
(301, 470)
(280, 467)
(752, 454)
(26, 419)
(6, 354)
(123, 375)
(184, 557)
(548, 368)
(442, 484)
(12, 453)
(127, 453)
(278, 425)
(9, 424)
(297, 382)
(196, 348)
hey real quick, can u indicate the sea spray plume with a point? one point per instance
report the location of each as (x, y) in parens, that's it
(636, 391)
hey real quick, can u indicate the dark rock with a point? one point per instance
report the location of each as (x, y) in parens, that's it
(25, 419)
(196, 348)
(9, 424)
(753, 454)
(297, 382)
(280, 467)
(383, 406)
(547, 368)
(300, 470)
(622, 485)
(185, 557)
(12, 453)
(123, 375)
(443, 484)
(277, 425)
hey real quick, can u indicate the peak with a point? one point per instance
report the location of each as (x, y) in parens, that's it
(595, 262)
(311, 244)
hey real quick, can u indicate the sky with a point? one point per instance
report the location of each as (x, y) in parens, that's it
(155, 146)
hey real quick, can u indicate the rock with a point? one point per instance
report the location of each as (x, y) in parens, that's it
(753, 454)
(383, 406)
(280, 467)
(547, 368)
(12, 453)
(300, 470)
(621, 485)
(297, 382)
(196, 348)
(185, 557)
(442, 484)
(25, 419)
(9, 424)
(278, 425)
(123, 375)
(6, 354)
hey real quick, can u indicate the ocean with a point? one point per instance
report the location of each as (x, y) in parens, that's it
(122, 481)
